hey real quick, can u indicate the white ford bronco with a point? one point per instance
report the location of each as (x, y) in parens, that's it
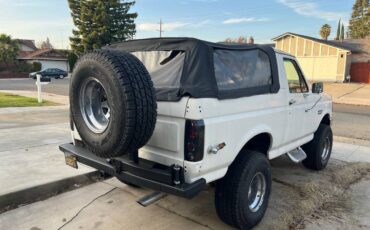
(174, 114)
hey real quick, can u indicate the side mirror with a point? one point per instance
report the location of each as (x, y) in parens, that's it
(317, 87)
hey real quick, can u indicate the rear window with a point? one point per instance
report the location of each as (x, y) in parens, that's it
(164, 67)
(241, 69)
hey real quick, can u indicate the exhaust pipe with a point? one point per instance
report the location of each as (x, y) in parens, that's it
(151, 198)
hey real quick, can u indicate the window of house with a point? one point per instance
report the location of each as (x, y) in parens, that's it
(296, 81)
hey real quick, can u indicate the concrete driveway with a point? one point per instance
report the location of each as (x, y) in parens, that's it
(332, 199)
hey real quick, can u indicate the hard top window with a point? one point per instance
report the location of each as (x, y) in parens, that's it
(296, 82)
(241, 69)
(164, 67)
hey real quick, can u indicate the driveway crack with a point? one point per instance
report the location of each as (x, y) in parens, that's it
(85, 206)
(351, 91)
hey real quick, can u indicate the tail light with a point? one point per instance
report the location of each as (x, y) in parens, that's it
(194, 140)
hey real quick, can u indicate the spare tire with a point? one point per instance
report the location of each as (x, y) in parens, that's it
(112, 102)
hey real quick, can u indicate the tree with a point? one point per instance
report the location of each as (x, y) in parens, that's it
(100, 22)
(338, 31)
(72, 59)
(359, 24)
(46, 44)
(8, 50)
(342, 33)
(325, 31)
(240, 39)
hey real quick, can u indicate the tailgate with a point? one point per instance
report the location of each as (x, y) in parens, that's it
(166, 146)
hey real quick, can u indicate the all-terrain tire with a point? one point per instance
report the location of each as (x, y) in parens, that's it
(316, 158)
(232, 191)
(131, 98)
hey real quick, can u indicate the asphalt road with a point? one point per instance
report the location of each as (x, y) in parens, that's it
(57, 86)
(349, 121)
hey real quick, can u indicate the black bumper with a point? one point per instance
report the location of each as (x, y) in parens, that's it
(144, 173)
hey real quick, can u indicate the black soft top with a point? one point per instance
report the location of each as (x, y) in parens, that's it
(198, 74)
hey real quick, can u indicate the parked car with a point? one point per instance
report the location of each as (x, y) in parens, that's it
(217, 113)
(50, 73)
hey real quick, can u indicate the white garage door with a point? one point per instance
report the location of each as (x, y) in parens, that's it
(45, 64)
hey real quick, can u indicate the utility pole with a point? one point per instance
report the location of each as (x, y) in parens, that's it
(160, 28)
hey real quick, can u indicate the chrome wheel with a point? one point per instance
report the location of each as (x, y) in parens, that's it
(326, 148)
(256, 193)
(94, 105)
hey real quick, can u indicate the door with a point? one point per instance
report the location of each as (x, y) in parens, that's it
(297, 101)
(54, 73)
(46, 73)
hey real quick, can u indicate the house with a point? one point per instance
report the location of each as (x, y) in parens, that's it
(49, 58)
(328, 60)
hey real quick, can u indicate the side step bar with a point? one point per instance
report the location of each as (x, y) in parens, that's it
(151, 198)
(297, 155)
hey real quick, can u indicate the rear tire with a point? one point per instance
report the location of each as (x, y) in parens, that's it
(112, 102)
(236, 195)
(319, 149)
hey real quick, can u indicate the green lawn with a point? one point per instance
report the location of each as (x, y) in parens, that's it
(10, 100)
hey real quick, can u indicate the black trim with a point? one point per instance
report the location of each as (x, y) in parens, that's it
(145, 173)
(198, 78)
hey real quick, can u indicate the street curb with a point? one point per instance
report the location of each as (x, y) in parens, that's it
(353, 141)
(41, 192)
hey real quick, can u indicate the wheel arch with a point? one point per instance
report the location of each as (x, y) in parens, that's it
(258, 143)
(259, 139)
(326, 119)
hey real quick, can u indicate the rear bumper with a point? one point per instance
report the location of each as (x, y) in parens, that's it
(144, 173)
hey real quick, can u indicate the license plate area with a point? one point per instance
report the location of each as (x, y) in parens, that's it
(71, 160)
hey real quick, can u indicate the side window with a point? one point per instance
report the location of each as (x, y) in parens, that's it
(295, 78)
(241, 69)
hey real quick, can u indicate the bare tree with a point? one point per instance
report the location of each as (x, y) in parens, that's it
(46, 44)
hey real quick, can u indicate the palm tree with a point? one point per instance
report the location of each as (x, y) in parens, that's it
(325, 31)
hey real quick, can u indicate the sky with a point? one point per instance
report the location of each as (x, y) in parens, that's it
(212, 20)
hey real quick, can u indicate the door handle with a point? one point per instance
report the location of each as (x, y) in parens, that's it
(292, 101)
(306, 95)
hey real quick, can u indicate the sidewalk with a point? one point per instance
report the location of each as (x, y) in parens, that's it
(349, 93)
(350, 152)
(32, 166)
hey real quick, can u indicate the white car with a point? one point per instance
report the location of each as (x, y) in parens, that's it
(217, 113)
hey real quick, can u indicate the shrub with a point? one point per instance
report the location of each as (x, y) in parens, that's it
(24, 67)
(36, 66)
(72, 59)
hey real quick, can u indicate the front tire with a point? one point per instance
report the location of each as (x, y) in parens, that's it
(241, 197)
(319, 149)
